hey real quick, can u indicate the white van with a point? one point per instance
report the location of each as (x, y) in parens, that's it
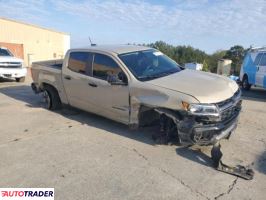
(253, 69)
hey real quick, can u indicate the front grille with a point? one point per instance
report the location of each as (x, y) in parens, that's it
(10, 65)
(231, 112)
(230, 107)
(7, 75)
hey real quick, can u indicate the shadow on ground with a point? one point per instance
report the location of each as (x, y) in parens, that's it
(3, 80)
(254, 94)
(261, 163)
(22, 93)
(195, 155)
(25, 94)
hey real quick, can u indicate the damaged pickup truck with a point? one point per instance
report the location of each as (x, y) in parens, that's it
(140, 86)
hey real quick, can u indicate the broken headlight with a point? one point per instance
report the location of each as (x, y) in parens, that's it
(201, 109)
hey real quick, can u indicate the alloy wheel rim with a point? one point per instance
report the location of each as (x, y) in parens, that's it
(47, 99)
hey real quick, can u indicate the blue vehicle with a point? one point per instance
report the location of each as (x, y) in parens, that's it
(253, 69)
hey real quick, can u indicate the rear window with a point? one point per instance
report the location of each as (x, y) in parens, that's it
(263, 60)
(80, 62)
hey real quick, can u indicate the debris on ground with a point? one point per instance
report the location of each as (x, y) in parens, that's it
(216, 156)
(239, 170)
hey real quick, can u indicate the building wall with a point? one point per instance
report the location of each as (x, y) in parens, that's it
(224, 67)
(38, 43)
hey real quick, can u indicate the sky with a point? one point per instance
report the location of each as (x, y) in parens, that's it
(209, 25)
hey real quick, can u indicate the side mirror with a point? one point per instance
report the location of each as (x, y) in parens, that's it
(117, 80)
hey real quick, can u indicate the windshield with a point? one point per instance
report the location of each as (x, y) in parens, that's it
(149, 64)
(5, 52)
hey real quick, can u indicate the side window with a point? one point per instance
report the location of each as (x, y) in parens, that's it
(103, 66)
(80, 62)
(263, 60)
(258, 58)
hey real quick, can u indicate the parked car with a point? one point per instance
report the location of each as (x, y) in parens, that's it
(11, 67)
(253, 69)
(140, 86)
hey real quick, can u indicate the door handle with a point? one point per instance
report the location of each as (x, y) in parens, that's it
(92, 85)
(67, 77)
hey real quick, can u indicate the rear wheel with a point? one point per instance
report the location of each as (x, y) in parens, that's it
(51, 98)
(245, 84)
(21, 79)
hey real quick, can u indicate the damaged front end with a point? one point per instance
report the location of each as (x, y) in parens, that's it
(205, 124)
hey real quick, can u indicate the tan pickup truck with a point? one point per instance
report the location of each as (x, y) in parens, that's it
(140, 86)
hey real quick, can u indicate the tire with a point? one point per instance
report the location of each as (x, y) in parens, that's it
(245, 84)
(21, 79)
(51, 98)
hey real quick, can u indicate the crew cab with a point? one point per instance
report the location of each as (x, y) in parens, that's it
(140, 86)
(11, 67)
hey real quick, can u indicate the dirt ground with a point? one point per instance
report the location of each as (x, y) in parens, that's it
(84, 156)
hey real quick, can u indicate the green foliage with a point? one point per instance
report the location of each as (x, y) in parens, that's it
(213, 60)
(205, 66)
(181, 54)
(236, 54)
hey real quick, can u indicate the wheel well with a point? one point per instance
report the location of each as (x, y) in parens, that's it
(149, 116)
(245, 76)
(51, 86)
(43, 85)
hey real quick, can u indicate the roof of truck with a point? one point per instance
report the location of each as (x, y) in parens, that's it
(118, 49)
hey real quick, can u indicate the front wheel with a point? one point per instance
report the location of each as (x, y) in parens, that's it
(20, 80)
(245, 84)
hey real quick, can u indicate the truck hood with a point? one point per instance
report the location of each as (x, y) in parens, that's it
(205, 87)
(10, 59)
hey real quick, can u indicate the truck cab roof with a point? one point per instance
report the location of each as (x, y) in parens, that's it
(117, 49)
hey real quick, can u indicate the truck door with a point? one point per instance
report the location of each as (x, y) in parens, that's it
(76, 77)
(112, 100)
(261, 72)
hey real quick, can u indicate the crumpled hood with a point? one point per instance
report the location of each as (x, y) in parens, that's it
(205, 87)
(10, 59)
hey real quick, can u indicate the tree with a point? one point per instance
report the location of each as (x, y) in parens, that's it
(236, 54)
(205, 66)
(213, 60)
(187, 54)
(181, 54)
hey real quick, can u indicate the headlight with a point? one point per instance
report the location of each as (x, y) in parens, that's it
(201, 109)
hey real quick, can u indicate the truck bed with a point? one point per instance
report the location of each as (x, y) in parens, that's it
(57, 64)
(47, 72)
(50, 67)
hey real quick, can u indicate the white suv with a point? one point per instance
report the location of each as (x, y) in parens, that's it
(10, 66)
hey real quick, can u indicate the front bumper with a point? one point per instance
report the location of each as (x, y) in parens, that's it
(13, 73)
(192, 132)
